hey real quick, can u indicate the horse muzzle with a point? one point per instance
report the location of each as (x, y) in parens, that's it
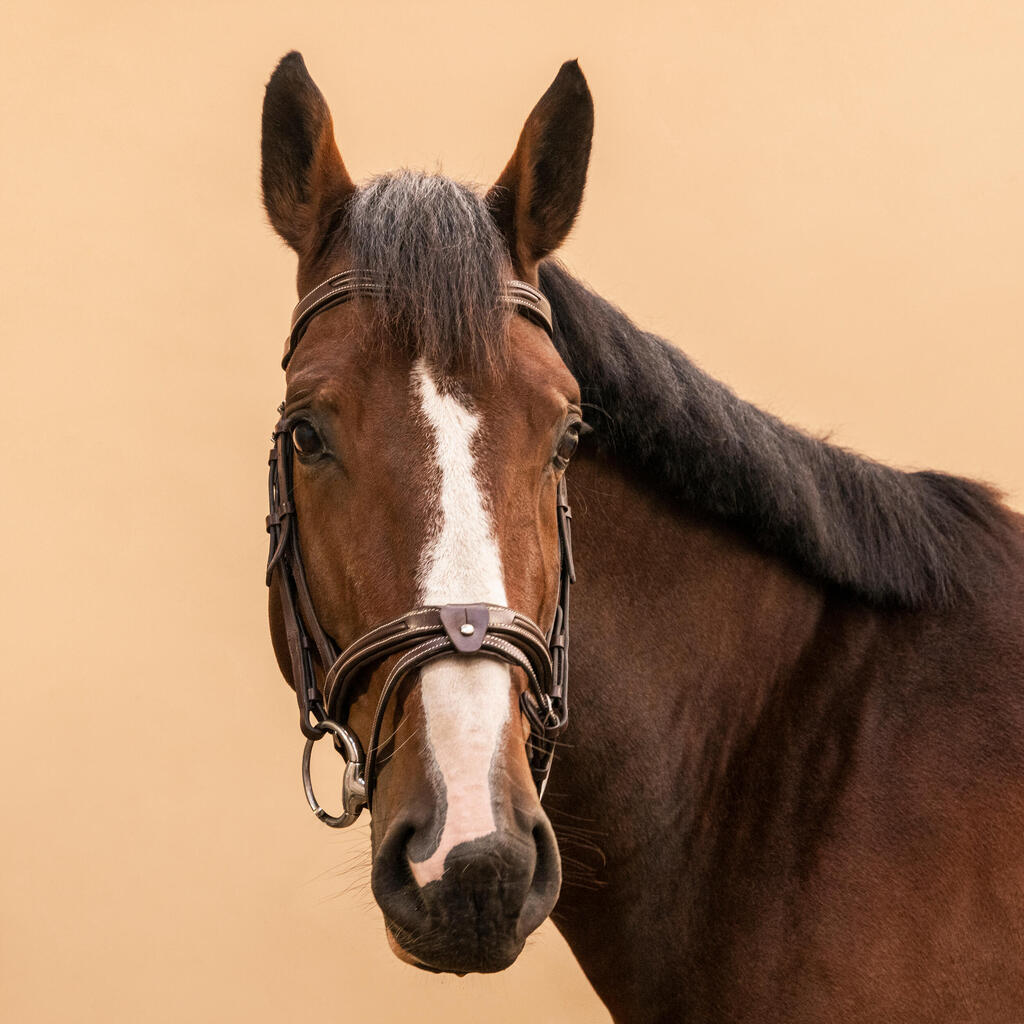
(494, 892)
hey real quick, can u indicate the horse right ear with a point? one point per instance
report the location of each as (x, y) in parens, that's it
(538, 195)
(304, 178)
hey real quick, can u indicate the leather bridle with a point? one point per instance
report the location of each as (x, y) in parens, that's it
(419, 636)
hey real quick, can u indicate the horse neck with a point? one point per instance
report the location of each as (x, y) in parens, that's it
(681, 632)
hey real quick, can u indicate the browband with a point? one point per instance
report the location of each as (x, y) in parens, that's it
(524, 298)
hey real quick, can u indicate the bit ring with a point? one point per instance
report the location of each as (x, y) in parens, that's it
(353, 784)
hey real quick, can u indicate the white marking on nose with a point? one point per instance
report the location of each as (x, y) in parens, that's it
(465, 700)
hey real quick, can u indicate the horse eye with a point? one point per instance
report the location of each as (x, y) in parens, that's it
(568, 445)
(305, 438)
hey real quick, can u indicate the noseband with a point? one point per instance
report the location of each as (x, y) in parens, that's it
(421, 635)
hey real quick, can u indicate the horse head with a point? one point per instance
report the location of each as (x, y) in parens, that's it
(426, 429)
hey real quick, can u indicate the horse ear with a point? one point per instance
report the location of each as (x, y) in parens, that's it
(304, 178)
(538, 195)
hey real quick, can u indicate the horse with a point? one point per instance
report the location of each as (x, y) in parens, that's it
(789, 783)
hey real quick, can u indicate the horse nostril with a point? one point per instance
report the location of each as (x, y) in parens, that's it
(549, 866)
(547, 878)
(392, 883)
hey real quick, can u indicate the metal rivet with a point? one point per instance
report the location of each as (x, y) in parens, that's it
(467, 629)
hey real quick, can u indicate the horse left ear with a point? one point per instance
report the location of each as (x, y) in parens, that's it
(538, 195)
(304, 178)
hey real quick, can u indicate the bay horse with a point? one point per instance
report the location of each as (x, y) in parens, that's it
(791, 786)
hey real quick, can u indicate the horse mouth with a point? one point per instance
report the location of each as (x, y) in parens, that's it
(440, 957)
(434, 970)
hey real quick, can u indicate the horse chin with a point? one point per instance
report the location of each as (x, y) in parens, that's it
(437, 961)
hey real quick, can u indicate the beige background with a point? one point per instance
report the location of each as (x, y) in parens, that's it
(823, 203)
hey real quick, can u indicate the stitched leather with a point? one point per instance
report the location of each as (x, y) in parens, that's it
(526, 300)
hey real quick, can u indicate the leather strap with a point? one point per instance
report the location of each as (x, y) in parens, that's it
(524, 298)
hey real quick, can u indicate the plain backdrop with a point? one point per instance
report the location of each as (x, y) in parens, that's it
(821, 203)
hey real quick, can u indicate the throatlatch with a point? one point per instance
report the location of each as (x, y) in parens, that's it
(421, 635)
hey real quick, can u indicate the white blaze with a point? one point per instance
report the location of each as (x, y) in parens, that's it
(465, 700)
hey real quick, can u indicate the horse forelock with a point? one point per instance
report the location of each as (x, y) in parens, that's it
(434, 247)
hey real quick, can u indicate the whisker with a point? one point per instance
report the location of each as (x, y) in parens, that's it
(408, 738)
(567, 814)
(597, 408)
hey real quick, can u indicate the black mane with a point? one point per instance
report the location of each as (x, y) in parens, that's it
(893, 538)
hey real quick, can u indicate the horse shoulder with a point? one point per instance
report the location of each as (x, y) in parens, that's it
(917, 876)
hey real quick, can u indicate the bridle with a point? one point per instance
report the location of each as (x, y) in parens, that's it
(419, 636)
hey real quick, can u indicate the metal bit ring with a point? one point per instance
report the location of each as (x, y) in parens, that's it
(353, 785)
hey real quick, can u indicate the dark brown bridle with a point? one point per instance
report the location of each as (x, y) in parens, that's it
(420, 635)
